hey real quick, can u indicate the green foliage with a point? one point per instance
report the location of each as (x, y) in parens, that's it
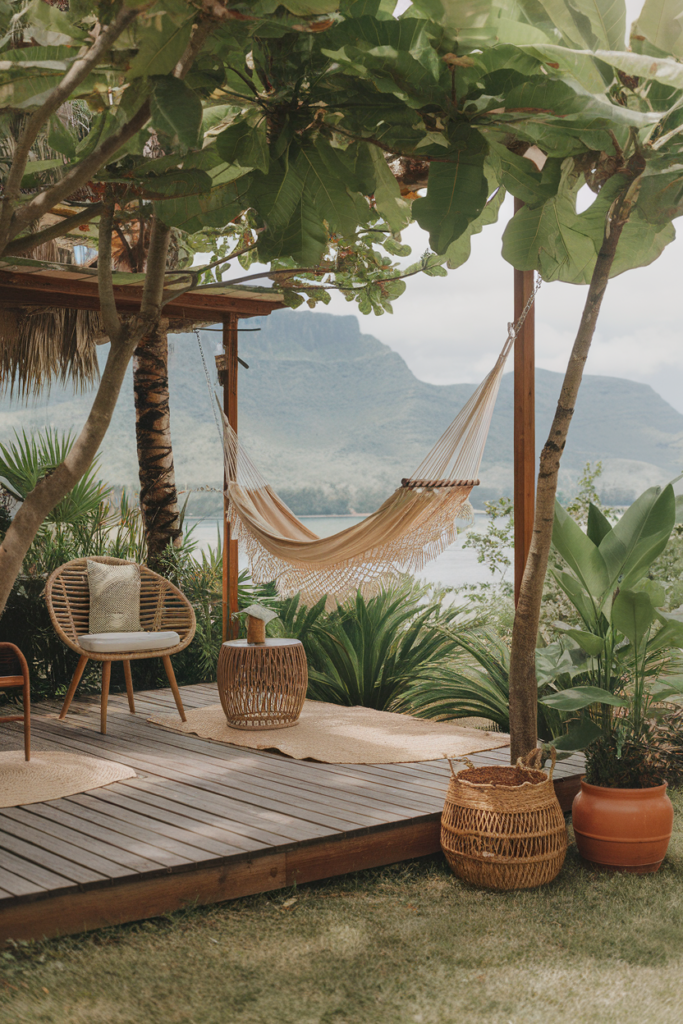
(368, 651)
(293, 118)
(628, 765)
(622, 657)
(27, 459)
(493, 546)
(476, 684)
(477, 688)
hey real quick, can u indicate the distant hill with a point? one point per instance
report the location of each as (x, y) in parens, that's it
(334, 418)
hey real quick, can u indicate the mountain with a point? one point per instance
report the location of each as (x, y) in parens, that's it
(334, 419)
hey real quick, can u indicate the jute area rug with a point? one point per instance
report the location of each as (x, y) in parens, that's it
(341, 735)
(51, 775)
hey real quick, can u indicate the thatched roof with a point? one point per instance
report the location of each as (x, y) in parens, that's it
(45, 338)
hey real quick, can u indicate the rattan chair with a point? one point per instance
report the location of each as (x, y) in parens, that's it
(14, 672)
(162, 607)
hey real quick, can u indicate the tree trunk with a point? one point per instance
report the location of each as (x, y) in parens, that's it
(523, 686)
(158, 495)
(50, 490)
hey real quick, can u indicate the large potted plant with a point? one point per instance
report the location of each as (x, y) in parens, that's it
(622, 665)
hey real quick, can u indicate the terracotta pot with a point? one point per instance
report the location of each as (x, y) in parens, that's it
(623, 829)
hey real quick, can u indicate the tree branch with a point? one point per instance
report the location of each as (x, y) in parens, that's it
(76, 74)
(110, 316)
(153, 291)
(29, 242)
(76, 176)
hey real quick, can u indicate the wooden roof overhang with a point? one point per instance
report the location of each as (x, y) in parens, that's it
(71, 289)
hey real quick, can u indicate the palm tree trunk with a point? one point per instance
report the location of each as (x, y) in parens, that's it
(158, 495)
(523, 686)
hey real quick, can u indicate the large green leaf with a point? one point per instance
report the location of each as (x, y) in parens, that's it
(520, 177)
(607, 20)
(668, 72)
(188, 182)
(458, 252)
(342, 210)
(176, 110)
(639, 536)
(578, 697)
(670, 635)
(397, 56)
(661, 192)
(50, 26)
(591, 643)
(456, 191)
(353, 165)
(582, 601)
(633, 614)
(213, 209)
(579, 64)
(161, 43)
(578, 736)
(557, 660)
(579, 552)
(275, 196)
(547, 237)
(660, 23)
(245, 143)
(388, 200)
(598, 525)
(563, 16)
(304, 237)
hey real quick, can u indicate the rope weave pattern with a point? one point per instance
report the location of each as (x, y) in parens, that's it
(413, 526)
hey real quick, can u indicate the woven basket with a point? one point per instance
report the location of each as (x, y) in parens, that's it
(503, 837)
(262, 685)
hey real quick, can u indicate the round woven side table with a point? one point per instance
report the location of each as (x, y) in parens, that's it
(262, 686)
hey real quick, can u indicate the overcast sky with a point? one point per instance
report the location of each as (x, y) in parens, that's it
(450, 330)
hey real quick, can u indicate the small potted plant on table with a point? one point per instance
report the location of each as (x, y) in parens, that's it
(621, 665)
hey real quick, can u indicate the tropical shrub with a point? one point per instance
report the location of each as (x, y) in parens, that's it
(368, 651)
(476, 684)
(89, 522)
(624, 658)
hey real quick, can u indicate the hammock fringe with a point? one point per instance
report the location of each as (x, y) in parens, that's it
(413, 527)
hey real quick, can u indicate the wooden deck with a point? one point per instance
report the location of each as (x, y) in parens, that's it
(203, 821)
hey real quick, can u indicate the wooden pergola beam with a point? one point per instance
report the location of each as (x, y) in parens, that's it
(46, 289)
(524, 430)
(230, 548)
(67, 290)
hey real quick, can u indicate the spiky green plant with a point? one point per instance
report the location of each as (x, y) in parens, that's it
(475, 685)
(370, 650)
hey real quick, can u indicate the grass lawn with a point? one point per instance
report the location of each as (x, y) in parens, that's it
(402, 945)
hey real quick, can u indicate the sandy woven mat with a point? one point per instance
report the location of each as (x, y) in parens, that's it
(51, 775)
(341, 735)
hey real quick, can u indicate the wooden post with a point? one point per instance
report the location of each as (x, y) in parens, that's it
(230, 549)
(524, 423)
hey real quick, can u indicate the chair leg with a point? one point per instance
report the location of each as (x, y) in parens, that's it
(83, 661)
(129, 686)
(27, 722)
(174, 686)
(106, 676)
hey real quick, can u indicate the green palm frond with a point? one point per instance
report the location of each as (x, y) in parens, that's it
(370, 650)
(28, 458)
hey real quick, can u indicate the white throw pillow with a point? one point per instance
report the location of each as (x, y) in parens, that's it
(114, 598)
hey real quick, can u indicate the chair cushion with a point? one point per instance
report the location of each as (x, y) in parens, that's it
(114, 597)
(128, 643)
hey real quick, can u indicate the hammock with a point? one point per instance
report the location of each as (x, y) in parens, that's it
(412, 527)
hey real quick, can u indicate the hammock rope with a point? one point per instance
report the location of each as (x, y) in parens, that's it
(413, 526)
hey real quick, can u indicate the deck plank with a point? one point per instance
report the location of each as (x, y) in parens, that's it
(202, 821)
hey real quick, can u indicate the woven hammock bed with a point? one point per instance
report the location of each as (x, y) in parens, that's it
(414, 525)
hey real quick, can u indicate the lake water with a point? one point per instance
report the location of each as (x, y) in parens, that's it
(451, 569)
